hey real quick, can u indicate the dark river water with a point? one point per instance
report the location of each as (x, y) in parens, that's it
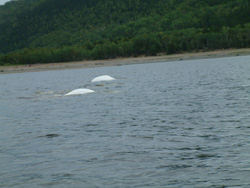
(182, 124)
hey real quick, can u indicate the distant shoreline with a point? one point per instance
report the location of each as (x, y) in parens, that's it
(123, 61)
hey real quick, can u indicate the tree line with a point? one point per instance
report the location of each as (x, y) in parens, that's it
(48, 31)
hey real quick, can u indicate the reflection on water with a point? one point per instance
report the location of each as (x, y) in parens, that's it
(175, 124)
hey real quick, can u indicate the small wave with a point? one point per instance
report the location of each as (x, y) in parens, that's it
(111, 91)
(44, 92)
(205, 155)
(100, 85)
(173, 167)
(50, 135)
(24, 97)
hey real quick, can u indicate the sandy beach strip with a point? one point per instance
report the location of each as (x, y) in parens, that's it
(123, 61)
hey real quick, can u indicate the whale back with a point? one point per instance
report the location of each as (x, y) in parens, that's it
(103, 78)
(80, 91)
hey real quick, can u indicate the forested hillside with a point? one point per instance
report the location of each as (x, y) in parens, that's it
(43, 31)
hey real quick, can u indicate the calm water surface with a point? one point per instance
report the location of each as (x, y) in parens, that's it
(172, 124)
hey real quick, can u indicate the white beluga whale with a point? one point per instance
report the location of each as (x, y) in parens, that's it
(103, 78)
(80, 91)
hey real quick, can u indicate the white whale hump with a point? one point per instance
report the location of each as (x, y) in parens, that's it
(80, 91)
(103, 78)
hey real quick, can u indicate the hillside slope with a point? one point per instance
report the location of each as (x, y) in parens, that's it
(43, 31)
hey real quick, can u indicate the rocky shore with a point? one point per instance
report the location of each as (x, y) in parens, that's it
(124, 61)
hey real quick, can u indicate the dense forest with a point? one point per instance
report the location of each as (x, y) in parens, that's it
(44, 31)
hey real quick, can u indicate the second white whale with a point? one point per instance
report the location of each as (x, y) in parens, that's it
(80, 91)
(103, 78)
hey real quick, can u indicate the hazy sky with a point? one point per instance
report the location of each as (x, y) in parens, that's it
(3, 1)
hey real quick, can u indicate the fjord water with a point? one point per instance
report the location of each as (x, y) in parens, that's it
(170, 124)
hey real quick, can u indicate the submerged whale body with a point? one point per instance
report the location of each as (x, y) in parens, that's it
(80, 92)
(103, 78)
